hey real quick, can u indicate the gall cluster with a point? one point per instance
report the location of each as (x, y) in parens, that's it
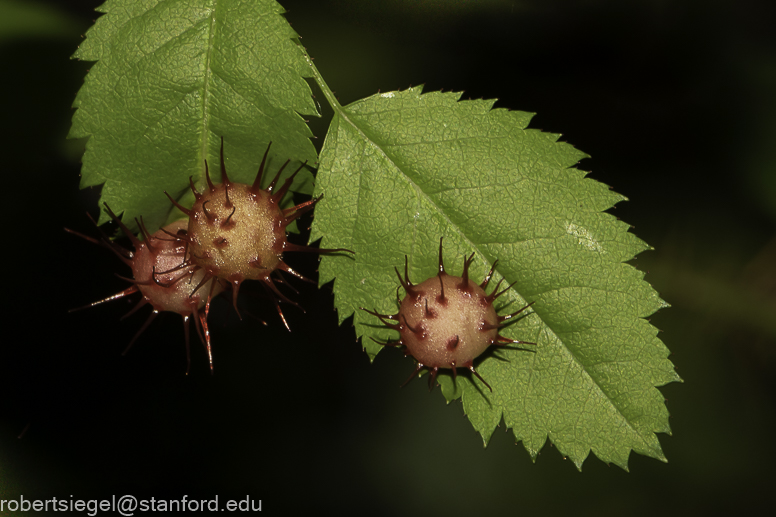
(235, 232)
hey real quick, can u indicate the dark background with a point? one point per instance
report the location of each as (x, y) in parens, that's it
(674, 100)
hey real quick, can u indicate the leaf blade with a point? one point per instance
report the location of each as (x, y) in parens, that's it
(401, 169)
(170, 79)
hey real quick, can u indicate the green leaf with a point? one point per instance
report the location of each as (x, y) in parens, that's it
(174, 76)
(399, 170)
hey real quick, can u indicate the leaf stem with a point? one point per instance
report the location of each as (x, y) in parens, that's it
(333, 102)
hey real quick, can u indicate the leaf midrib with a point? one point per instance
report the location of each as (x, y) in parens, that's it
(206, 90)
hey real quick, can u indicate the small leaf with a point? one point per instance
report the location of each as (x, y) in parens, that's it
(174, 76)
(399, 170)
